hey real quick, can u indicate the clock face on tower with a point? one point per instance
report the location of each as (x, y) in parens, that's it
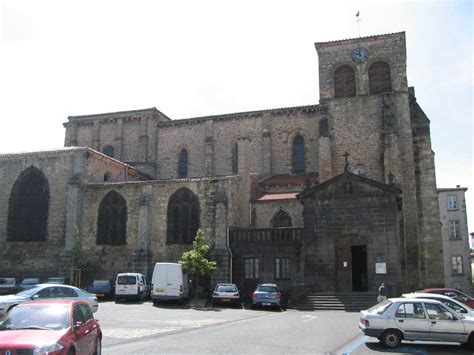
(360, 55)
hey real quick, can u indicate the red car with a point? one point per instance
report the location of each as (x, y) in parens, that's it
(453, 293)
(50, 327)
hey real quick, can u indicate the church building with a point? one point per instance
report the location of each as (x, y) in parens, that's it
(335, 196)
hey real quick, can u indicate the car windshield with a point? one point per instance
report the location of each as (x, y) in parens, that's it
(30, 292)
(381, 307)
(226, 288)
(55, 280)
(267, 289)
(30, 282)
(38, 316)
(127, 280)
(100, 283)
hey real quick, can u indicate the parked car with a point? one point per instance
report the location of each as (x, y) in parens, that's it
(47, 327)
(455, 305)
(225, 293)
(131, 285)
(57, 280)
(397, 319)
(30, 282)
(48, 292)
(169, 282)
(266, 295)
(102, 288)
(453, 293)
(8, 285)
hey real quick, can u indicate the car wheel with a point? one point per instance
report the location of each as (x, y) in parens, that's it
(98, 347)
(71, 351)
(392, 338)
(116, 299)
(470, 342)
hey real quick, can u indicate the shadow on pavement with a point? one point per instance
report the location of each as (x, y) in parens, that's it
(412, 348)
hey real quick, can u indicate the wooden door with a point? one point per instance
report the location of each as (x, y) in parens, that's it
(343, 268)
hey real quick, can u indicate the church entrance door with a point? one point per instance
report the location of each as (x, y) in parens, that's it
(343, 268)
(351, 268)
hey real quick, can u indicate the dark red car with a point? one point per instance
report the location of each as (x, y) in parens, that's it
(50, 327)
(453, 293)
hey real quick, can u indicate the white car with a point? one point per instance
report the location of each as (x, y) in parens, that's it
(397, 319)
(48, 292)
(457, 306)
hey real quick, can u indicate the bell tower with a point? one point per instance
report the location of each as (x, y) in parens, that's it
(366, 110)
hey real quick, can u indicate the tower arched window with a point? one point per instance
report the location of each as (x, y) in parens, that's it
(183, 164)
(108, 150)
(379, 78)
(112, 222)
(183, 217)
(298, 155)
(281, 219)
(344, 82)
(28, 207)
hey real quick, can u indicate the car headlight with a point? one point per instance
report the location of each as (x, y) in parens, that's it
(46, 349)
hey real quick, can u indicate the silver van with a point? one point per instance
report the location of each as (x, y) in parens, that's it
(131, 285)
(8, 285)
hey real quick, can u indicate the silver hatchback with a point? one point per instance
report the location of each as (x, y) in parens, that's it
(397, 319)
(266, 295)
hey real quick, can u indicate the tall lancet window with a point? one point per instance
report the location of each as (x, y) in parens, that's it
(183, 164)
(298, 155)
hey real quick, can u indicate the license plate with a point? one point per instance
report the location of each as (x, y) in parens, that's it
(225, 300)
(99, 294)
(266, 304)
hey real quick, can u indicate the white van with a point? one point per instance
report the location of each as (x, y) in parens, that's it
(169, 282)
(131, 285)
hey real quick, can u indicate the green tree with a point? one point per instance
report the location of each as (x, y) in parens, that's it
(195, 262)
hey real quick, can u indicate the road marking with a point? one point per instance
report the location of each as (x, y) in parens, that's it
(356, 345)
(308, 318)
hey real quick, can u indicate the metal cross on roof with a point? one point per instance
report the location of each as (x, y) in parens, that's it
(346, 156)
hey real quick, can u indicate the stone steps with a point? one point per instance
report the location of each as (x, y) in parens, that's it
(338, 301)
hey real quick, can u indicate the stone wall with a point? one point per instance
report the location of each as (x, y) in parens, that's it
(147, 204)
(30, 259)
(265, 211)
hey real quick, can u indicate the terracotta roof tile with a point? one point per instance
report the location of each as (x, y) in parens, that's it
(279, 197)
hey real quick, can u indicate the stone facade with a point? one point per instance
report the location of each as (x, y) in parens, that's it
(245, 168)
(452, 209)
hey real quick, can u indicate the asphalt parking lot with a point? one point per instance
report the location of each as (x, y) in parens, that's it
(141, 328)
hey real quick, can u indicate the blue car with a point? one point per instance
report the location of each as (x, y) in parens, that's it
(102, 288)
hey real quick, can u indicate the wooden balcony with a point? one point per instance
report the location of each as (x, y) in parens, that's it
(265, 235)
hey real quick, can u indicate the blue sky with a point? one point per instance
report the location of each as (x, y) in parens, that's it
(195, 58)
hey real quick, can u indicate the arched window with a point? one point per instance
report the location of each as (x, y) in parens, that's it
(183, 164)
(379, 78)
(112, 223)
(183, 216)
(235, 158)
(281, 219)
(344, 82)
(298, 155)
(108, 150)
(28, 207)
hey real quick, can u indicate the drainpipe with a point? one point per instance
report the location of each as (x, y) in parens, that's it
(230, 252)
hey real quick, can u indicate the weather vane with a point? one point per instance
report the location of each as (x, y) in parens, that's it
(358, 22)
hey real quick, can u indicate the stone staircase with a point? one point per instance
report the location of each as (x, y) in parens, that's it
(338, 301)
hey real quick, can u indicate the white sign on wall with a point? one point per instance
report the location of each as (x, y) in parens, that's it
(380, 268)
